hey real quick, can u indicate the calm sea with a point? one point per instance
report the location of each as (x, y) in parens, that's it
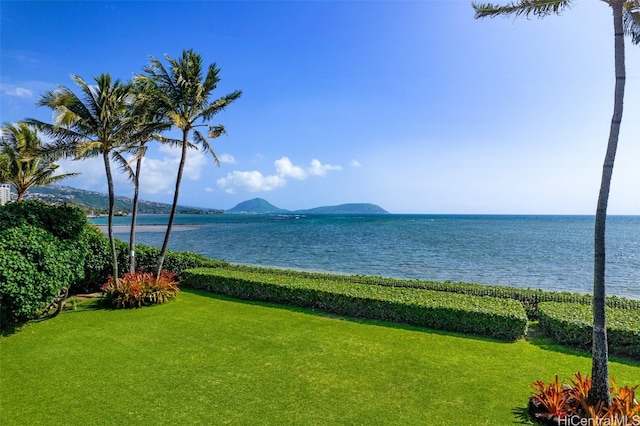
(546, 252)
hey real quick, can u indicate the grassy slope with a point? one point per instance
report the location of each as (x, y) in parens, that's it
(210, 360)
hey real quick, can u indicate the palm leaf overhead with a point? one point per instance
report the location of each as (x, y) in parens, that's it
(537, 8)
(631, 20)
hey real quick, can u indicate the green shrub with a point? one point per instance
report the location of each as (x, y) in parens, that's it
(147, 259)
(497, 318)
(36, 265)
(140, 289)
(528, 297)
(65, 222)
(97, 264)
(572, 324)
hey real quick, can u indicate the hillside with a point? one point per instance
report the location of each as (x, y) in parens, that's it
(261, 206)
(256, 206)
(98, 203)
(351, 208)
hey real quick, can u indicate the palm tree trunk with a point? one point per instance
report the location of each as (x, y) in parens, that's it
(174, 207)
(600, 357)
(134, 218)
(112, 241)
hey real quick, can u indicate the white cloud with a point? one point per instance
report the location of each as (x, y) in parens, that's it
(285, 168)
(209, 189)
(20, 92)
(319, 169)
(355, 163)
(253, 181)
(227, 158)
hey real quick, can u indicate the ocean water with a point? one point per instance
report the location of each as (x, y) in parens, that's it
(546, 252)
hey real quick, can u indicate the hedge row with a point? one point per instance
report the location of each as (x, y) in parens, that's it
(497, 318)
(571, 324)
(529, 298)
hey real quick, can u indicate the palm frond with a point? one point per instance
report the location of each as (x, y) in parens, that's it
(201, 140)
(537, 8)
(631, 20)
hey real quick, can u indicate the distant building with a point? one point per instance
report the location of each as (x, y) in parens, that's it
(5, 194)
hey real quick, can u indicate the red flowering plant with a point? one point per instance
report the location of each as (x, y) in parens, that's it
(558, 403)
(139, 289)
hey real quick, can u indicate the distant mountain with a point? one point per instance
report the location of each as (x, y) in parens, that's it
(352, 208)
(256, 206)
(261, 206)
(98, 203)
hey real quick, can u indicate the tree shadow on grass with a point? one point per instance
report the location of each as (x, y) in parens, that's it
(536, 338)
(339, 317)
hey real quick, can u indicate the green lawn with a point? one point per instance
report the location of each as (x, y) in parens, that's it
(204, 359)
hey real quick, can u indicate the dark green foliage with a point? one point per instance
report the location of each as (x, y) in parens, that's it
(497, 318)
(529, 298)
(571, 324)
(42, 251)
(65, 222)
(147, 259)
(36, 265)
(97, 264)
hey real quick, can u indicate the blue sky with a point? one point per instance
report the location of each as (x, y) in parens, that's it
(414, 106)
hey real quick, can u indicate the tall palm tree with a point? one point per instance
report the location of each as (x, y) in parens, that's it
(22, 162)
(626, 20)
(94, 124)
(148, 117)
(185, 97)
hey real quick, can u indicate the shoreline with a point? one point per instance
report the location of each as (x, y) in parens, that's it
(122, 229)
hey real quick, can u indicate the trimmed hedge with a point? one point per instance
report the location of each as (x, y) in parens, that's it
(497, 318)
(571, 324)
(528, 297)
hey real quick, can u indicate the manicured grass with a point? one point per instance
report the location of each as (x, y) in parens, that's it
(204, 359)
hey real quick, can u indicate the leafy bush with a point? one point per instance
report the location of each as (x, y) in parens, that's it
(97, 264)
(529, 298)
(64, 222)
(140, 289)
(571, 324)
(147, 259)
(498, 318)
(36, 265)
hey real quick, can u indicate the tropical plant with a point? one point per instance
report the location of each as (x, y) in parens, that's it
(22, 162)
(94, 124)
(184, 95)
(626, 20)
(140, 289)
(552, 397)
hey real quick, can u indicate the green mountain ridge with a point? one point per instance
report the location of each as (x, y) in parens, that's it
(94, 202)
(262, 206)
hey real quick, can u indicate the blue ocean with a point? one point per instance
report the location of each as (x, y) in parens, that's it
(545, 252)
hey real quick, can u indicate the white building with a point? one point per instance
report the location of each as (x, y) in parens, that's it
(5, 194)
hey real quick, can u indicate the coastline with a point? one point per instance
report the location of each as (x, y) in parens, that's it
(122, 229)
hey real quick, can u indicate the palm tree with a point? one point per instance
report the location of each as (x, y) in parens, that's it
(626, 20)
(95, 124)
(22, 162)
(184, 96)
(147, 116)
